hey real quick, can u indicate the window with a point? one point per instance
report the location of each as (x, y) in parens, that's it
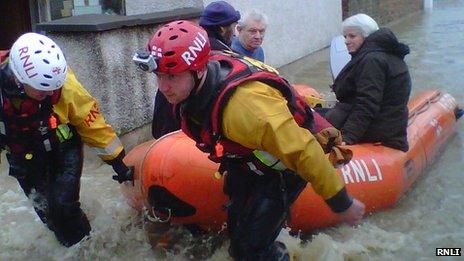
(49, 10)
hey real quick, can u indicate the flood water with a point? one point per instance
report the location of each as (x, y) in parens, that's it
(429, 216)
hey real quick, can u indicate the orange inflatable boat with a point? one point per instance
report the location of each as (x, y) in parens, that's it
(175, 181)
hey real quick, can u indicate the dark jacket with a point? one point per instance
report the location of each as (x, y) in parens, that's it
(216, 40)
(373, 91)
(165, 119)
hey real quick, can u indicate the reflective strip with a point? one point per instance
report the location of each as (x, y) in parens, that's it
(2, 128)
(110, 149)
(48, 145)
(63, 132)
(267, 159)
(254, 169)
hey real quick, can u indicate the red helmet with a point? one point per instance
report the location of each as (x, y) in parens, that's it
(180, 46)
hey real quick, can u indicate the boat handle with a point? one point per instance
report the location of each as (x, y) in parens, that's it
(155, 218)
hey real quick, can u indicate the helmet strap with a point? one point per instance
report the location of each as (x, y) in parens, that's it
(197, 82)
(19, 84)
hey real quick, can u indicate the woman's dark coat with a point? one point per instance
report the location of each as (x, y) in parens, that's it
(373, 91)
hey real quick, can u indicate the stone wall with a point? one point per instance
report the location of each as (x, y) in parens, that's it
(383, 11)
(102, 62)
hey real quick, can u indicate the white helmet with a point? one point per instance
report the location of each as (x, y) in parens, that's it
(38, 61)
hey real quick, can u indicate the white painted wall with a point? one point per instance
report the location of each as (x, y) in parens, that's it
(296, 27)
(428, 4)
(134, 7)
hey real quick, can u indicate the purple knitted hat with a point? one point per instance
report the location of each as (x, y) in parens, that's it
(219, 13)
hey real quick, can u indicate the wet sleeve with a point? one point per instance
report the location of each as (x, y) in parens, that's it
(370, 83)
(257, 117)
(79, 109)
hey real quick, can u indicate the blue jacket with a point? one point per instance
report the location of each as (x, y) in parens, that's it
(257, 54)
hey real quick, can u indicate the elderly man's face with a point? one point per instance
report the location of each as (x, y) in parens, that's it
(251, 35)
(353, 39)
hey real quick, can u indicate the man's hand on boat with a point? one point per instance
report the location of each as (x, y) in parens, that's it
(124, 173)
(354, 213)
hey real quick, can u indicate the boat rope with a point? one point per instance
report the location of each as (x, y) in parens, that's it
(423, 107)
(151, 215)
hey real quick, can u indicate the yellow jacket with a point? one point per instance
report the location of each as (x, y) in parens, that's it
(257, 117)
(79, 109)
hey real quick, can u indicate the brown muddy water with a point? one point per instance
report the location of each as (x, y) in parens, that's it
(431, 214)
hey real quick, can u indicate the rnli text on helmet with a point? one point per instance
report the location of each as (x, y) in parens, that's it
(190, 55)
(27, 65)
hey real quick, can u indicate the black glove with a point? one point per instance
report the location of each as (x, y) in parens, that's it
(124, 173)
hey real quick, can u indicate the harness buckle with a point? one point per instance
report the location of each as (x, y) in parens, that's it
(43, 130)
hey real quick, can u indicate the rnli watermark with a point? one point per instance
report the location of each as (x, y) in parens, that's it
(448, 251)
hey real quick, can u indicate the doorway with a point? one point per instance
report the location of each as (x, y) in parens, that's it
(15, 19)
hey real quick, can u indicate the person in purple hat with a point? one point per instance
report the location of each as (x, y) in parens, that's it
(219, 20)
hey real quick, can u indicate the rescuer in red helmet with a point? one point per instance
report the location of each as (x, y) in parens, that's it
(252, 122)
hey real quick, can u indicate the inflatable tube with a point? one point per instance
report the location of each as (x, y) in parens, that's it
(176, 182)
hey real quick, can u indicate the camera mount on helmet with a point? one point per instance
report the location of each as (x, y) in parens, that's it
(145, 61)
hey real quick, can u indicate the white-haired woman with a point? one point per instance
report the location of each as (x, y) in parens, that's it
(373, 88)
